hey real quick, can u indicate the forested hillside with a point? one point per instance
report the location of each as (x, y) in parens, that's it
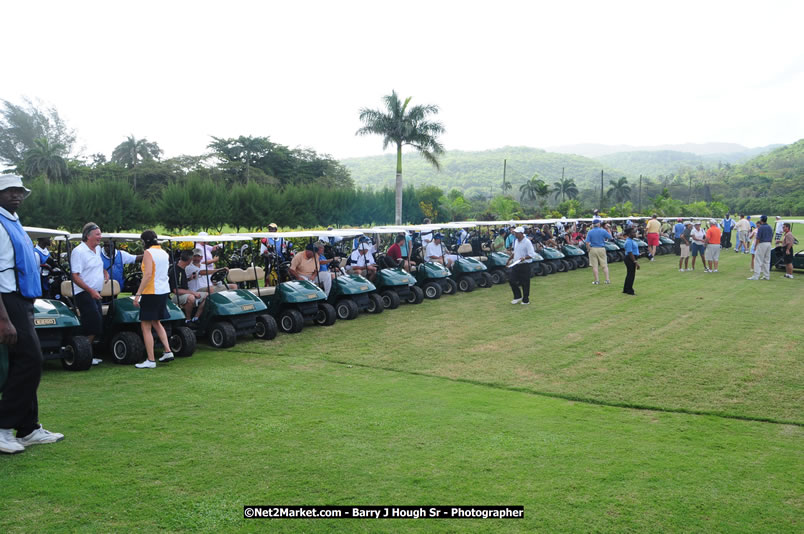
(478, 173)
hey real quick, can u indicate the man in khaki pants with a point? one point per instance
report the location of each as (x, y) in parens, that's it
(595, 244)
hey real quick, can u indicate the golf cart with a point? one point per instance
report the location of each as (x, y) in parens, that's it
(576, 256)
(433, 278)
(290, 302)
(777, 256)
(351, 293)
(57, 326)
(394, 284)
(228, 313)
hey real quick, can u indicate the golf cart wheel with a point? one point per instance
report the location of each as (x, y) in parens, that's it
(536, 269)
(497, 276)
(77, 354)
(547, 267)
(182, 342)
(416, 295)
(390, 299)
(569, 266)
(127, 348)
(326, 315)
(265, 328)
(486, 280)
(222, 335)
(432, 290)
(346, 309)
(452, 287)
(375, 303)
(584, 262)
(291, 321)
(466, 284)
(560, 266)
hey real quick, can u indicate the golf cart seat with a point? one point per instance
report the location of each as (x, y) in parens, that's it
(263, 291)
(252, 275)
(343, 262)
(111, 288)
(465, 249)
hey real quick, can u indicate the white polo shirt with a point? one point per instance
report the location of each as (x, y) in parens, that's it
(88, 264)
(433, 250)
(522, 249)
(361, 260)
(193, 285)
(8, 282)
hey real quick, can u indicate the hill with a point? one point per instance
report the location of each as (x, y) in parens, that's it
(724, 151)
(478, 173)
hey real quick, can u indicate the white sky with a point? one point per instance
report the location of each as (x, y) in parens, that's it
(534, 73)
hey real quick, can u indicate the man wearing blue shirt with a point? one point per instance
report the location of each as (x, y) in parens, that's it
(728, 225)
(631, 263)
(678, 229)
(762, 250)
(595, 241)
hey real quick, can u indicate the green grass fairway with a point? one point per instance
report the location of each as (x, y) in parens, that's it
(680, 409)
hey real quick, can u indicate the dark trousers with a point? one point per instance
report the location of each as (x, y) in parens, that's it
(520, 277)
(630, 267)
(726, 240)
(677, 246)
(18, 406)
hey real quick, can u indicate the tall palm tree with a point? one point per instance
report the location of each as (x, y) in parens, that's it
(530, 189)
(506, 186)
(620, 190)
(542, 191)
(566, 188)
(133, 151)
(401, 126)
(45, 158)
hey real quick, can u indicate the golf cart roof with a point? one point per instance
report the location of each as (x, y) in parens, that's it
(299, 233)
(119, 237)
(35, 233)
(793, 221)
(208, 238)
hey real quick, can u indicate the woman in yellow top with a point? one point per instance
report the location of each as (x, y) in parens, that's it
(151, 298)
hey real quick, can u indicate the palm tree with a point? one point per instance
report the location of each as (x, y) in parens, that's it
(542, 191)
(620, 190)
(402, 126)
(45, 158)
(506, 186)
(134, 151)
(566, 188)
(530, 189)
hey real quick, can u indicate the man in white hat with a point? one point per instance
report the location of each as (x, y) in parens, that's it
(520, 272)
(19, 285)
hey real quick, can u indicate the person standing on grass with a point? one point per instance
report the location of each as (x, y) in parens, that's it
(787, 250)
(713, 236)
(752, 241)
(678, 229)
(743, 227)
(20, 285)
(595, 243)
(151, 298)
(631, 263)
(89, 276)
(684, 248)
(762, 250)
(728, 225)
(652, 228)
(520, 273)
(698, 244)
(779, 227)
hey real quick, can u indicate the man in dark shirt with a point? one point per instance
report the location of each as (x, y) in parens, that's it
(395, 253)
(179, 286)
(762, 250)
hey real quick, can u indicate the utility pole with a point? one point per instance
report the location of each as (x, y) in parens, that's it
(640, 193)
(689, 200)
(505, 167)
(601, 189)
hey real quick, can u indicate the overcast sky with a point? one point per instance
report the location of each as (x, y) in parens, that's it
(533, 73)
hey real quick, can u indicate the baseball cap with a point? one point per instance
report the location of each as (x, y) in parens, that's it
(7, 181)
(204, 234)
(198, 252)
(272, 225)
(697, 223)
(310, 247)
(519, 230)
(712, 221)
(438, 235)
(596, 221)
(679, 219)
(763, 218)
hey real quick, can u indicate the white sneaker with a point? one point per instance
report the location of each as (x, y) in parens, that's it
(595, 283)
(752, 278)
(715, 270)
(525, 303)
(766, 278)
(516, 301)
(8, 443)
(681, 270)
(788, 275)
(147, 364)
(166, 357)
(96, 361)
(40, 435)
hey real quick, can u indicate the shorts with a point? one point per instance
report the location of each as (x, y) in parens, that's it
(712, 252)
(685, 251)
(597, 256)
(91, 312)
(653, 240)
(698, 250)
(153, 307)
(788, 259)
(181, 300)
